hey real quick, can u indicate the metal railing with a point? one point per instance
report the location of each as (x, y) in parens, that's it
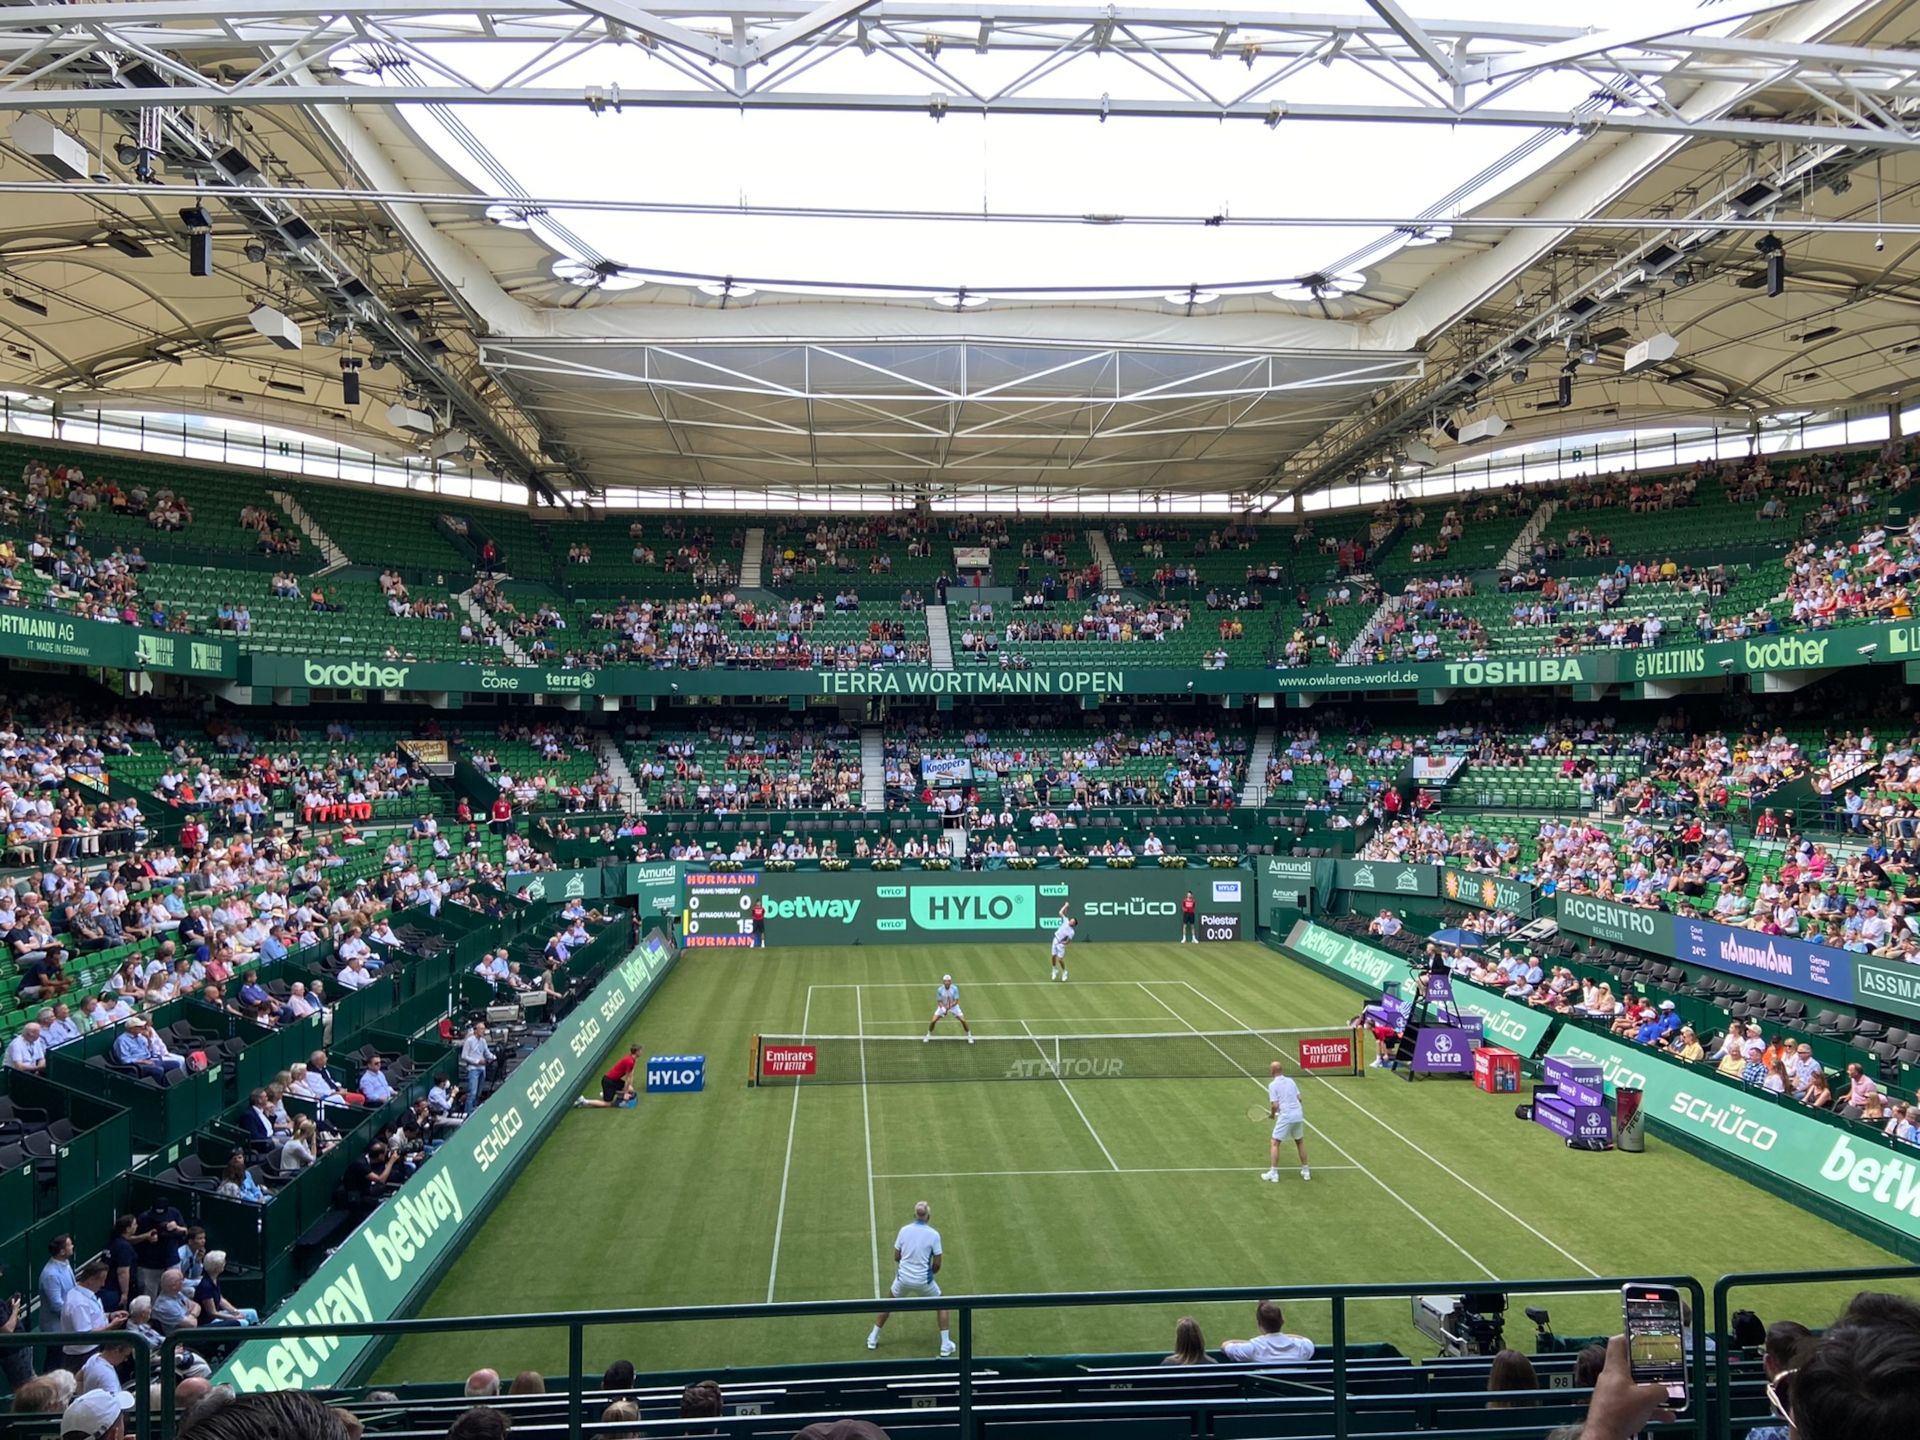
(966, 1411)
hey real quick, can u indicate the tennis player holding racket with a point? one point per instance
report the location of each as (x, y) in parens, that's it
(1289, 1123)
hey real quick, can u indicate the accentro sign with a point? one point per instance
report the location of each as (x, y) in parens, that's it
(355, 675)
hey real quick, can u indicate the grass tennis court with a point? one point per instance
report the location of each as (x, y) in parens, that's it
(740, 1195)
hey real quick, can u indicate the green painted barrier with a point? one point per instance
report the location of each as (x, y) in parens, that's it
(390, 1260)
(1387, 877)
(1518, 1027)
(1285, 883)
(975, 907)
(552, 887)
(68, 640)
(1843, 1167)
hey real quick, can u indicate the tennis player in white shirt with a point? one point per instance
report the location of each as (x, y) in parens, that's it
(1062, 937)
(917, 1252)
(1289, 1123)
(946, 1001)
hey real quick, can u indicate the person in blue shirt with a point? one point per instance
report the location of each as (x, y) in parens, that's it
(374, 1084)
(137, 1049)
(1657, 1029)
(56, 1280)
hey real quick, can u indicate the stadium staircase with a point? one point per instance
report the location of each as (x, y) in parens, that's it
(335, 557)
(752, 554)
(939, 639)
(873, 769)
(484, 623)
(1254, 792)
(1522, 547)
(1356, 647)
(615, 764)
(1103, 556)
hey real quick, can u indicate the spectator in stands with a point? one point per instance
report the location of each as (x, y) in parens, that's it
(475, 1056)
(480, 1423)
(266, 1415)
(138, 1049)
(1272, 1345)
(56, 1280)
(618, 1376)
(528, 1382)
(1189, 1346)
(82, 1314)
(97, 1415)
(1786, 1341)
(101, 1370)
(43, 1394)
(186, 1363)
(157, 1242)
(375, 1088)
(27, 1051)
(1510, 1370)
(214, 1307)
(173, 1307)
(482, 1385)
(1861, 1089)
(1685, 1045)
(302, 1147)
(620, 1412)
(369, 1178)
(1860, 1380)
(702, 1400)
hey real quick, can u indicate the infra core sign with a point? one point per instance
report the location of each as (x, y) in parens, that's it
(788, 1059)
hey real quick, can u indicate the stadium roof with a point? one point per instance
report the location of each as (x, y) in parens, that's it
(965, 249)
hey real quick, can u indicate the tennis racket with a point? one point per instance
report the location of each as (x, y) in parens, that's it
(1259, 1112)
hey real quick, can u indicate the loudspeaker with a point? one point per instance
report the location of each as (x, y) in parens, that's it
(350, 386)
(200, 253)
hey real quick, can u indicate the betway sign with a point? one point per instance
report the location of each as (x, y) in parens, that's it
(385, 1265)
(1505, 1022)
(1857, 1171)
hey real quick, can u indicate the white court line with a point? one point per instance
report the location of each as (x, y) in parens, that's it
(1418, 1150)
(1410, 1208)
(971, 984)
(1146, 1170)
(786, 1170)
(1075, 1103)
(866, 1121)
(1042, 1020)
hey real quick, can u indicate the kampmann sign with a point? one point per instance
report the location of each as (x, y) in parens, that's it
(1854, 1171)
(386, 1264)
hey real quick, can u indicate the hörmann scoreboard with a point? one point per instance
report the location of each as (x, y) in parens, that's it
(720, 908)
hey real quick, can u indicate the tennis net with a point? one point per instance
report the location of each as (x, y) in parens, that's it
(1169, 1055)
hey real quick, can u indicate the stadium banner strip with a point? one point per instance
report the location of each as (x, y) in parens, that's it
(1487, 892)
(1848, 1169)
(386, 1265)
(67, 640)
(1766, 654)
(973, 907)
(1283, 883)
(1778, 962)
(1519, 1028)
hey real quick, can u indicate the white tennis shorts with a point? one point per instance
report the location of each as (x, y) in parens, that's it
(910, 1289)
(941, 1011)
(1059, 949)
(1289, 1129)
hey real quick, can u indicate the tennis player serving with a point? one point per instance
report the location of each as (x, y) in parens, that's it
(1289, 1123)
(946, 1001)
(1062, 937)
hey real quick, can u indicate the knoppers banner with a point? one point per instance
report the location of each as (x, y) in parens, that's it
(1518, 1027)
(1859, 1172)
(1487, 892)
(386, 1264)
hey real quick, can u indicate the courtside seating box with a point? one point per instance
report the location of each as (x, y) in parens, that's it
(1496, 1070)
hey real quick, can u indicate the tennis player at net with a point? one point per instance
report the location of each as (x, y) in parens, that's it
(917, 1253)
(1289, 1123)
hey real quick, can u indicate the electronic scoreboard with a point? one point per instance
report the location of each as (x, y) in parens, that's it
(720, 908)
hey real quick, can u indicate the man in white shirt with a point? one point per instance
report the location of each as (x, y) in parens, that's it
(27, 1052)
(1272, 1346)
(354, 974)
(1289, 1123)
(917, 1254)
(101, 1370)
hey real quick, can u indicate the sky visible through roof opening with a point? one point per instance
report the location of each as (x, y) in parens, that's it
(965, 165)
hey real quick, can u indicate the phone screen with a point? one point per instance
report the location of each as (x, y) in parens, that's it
(1656, 1338)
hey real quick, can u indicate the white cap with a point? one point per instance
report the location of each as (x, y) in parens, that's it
(93, 1414)
(946, 979)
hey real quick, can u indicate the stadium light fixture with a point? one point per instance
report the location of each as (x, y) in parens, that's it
(56, 150)
(1654, 350)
